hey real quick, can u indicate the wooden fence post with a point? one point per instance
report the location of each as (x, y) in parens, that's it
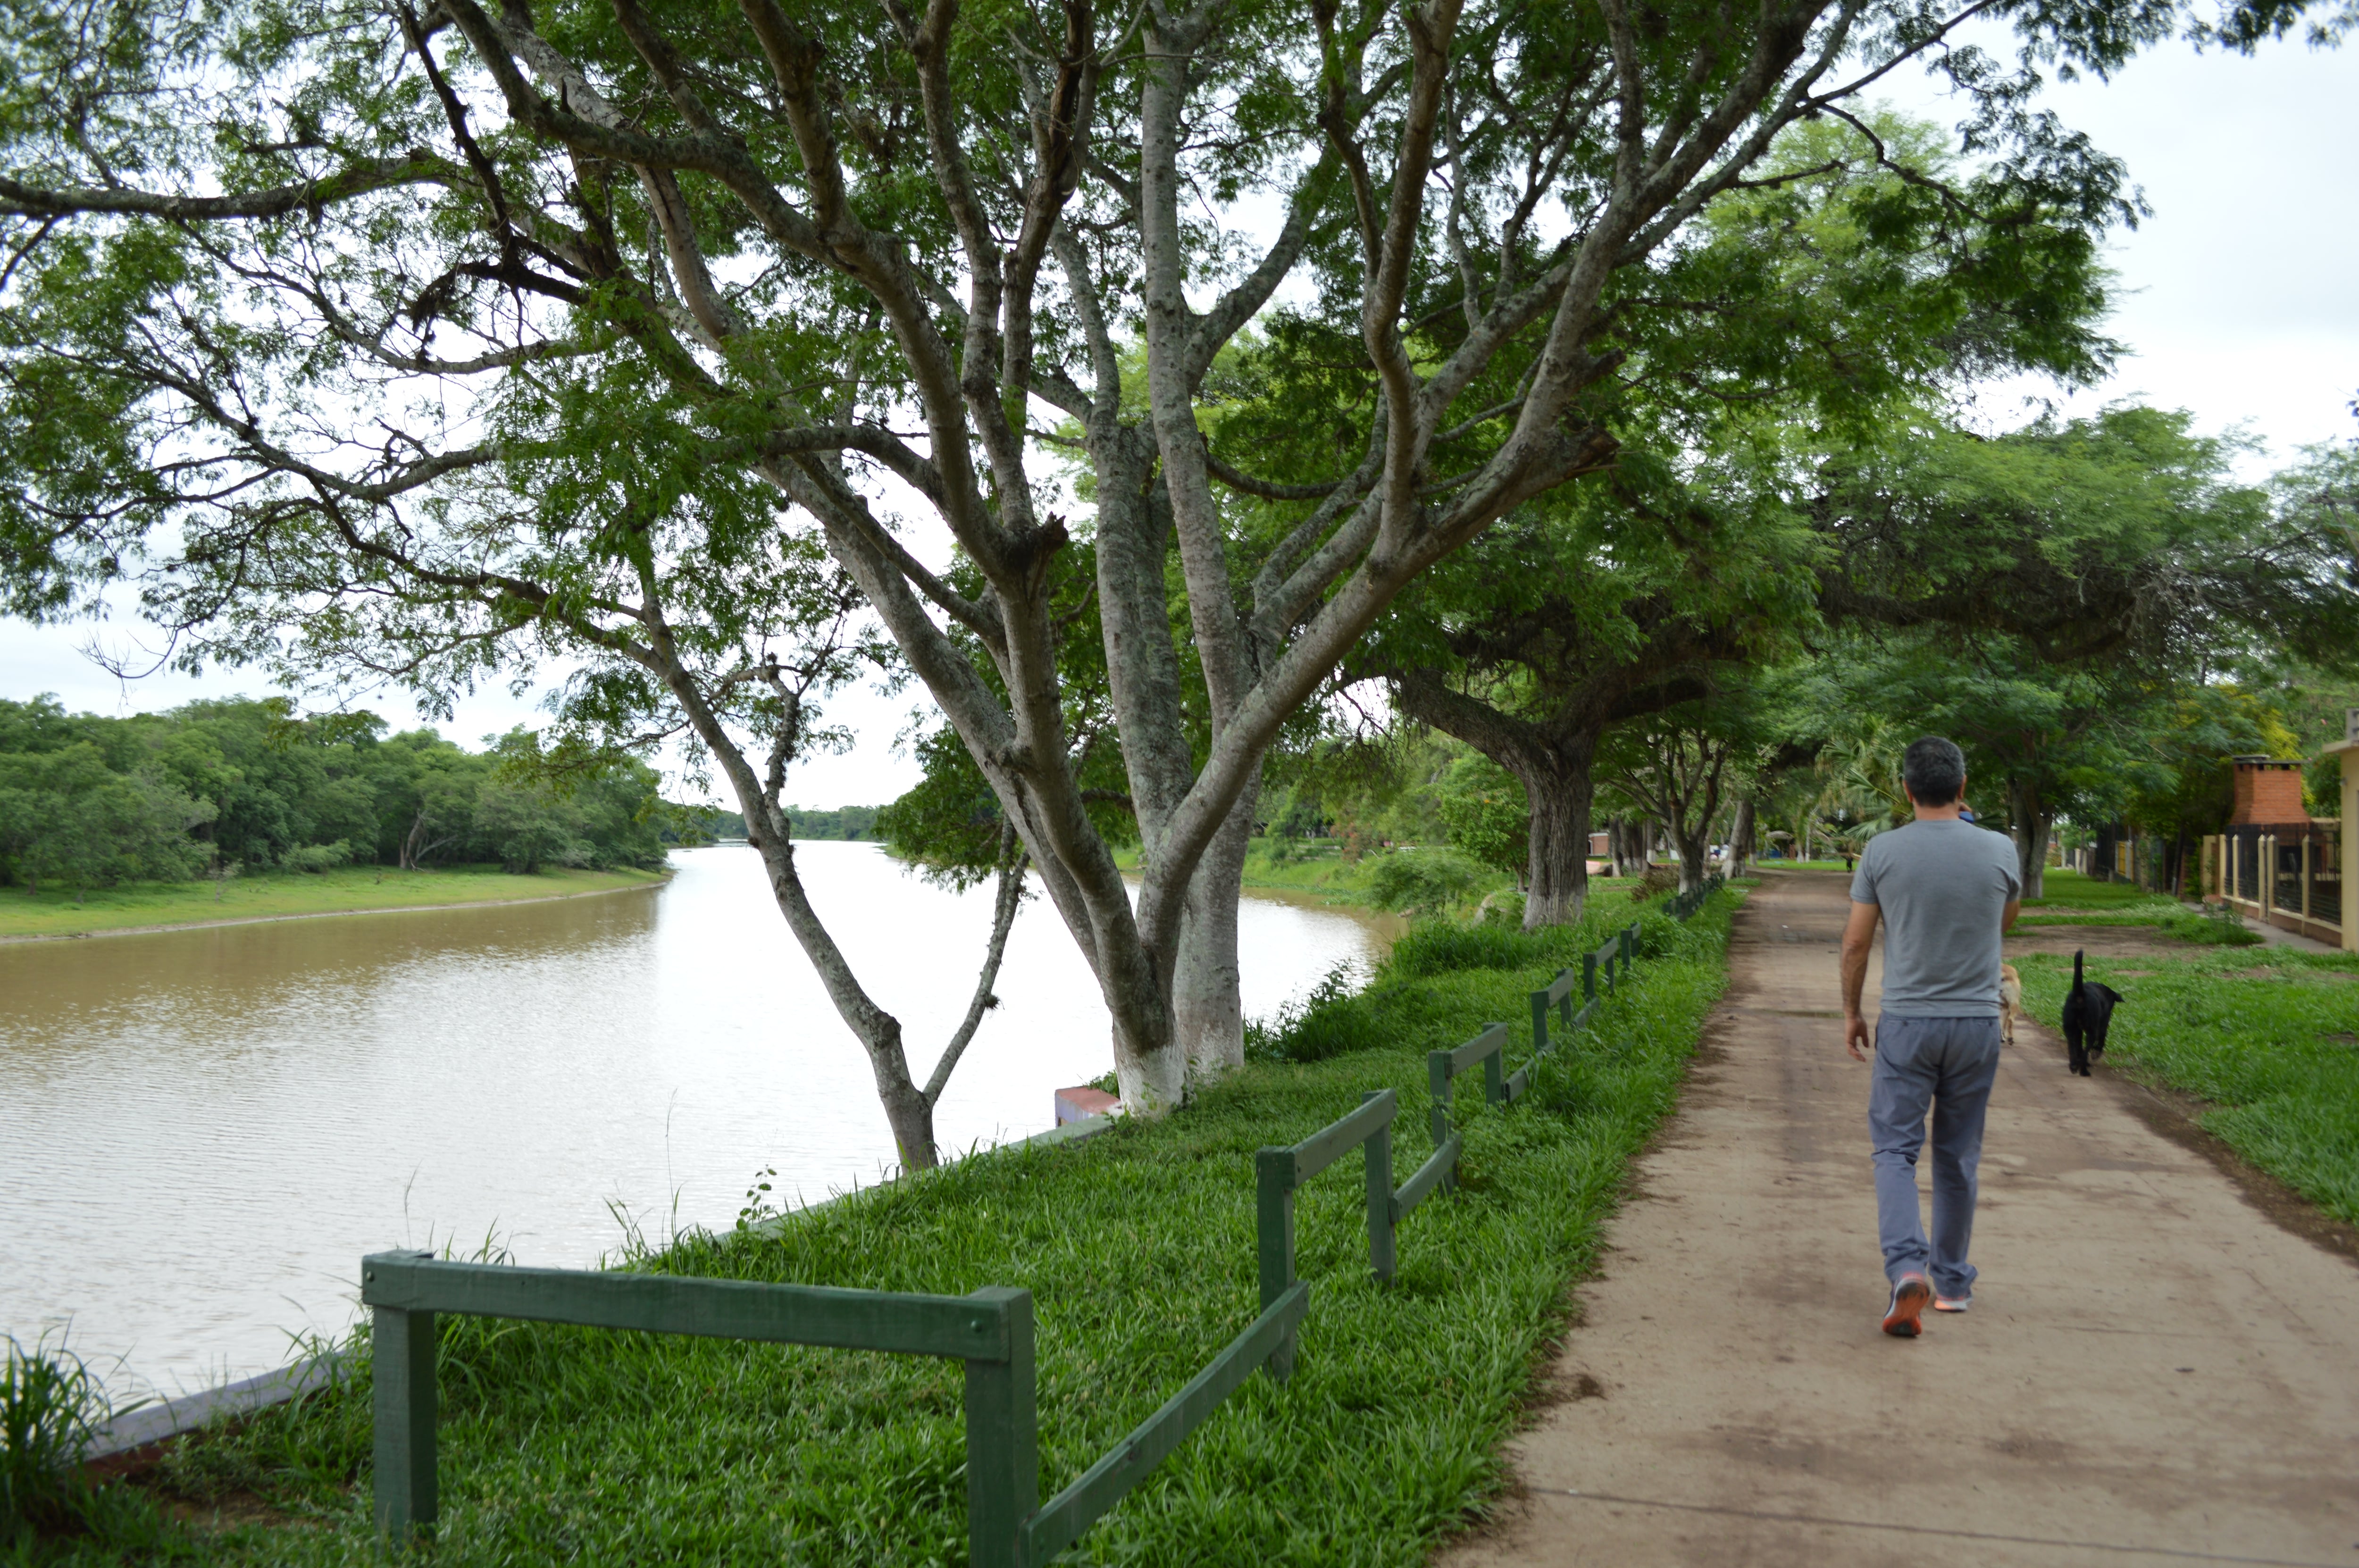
(401, 1347)
(1382, 1255)
(1002, 1441)
(1274, 1226)
(1437, 1075)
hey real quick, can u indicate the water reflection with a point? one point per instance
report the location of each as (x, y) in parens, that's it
(201, 1131)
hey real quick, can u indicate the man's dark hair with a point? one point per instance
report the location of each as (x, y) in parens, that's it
(1934, 770)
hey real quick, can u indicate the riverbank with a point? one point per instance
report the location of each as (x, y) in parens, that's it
(563, 1444)
(1314, 869)
(349, 890)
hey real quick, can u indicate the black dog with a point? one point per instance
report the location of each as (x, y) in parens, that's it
(2087, 1014)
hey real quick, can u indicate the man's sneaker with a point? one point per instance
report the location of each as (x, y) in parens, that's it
(1951, 1304)
(1910, 1295)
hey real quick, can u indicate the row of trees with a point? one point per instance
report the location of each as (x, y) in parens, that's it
(720, 355)
(2096, 609)
(213, 786)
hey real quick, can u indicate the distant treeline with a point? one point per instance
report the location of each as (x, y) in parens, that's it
(809, 822)
(86, 801)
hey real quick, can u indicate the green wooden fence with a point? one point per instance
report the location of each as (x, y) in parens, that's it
(990, 1330)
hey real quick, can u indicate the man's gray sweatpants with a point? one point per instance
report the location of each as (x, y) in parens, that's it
(1948, 1064)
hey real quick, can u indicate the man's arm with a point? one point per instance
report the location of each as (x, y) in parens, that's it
(1859, 934)
(2006, 916)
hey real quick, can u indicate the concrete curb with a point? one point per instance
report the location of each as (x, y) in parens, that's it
(168, 1417)
(163, 1419)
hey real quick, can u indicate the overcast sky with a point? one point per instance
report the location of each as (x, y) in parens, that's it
(2236, 300)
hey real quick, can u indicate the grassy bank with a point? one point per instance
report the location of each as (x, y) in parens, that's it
(1313, 866)
(1316, 867)
(344, 891)
(565, 1445)
(2270, 1039)
(2075, 900)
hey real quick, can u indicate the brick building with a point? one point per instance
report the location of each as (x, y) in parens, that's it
(2267, 791)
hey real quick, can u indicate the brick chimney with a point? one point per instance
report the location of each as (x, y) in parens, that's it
(2267, 791)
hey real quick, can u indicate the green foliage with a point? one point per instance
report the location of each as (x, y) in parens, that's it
(92, 802)
(845, 822)
(1484, 811)
(2095, 609)
(949, 825)
(66, 818)
(1421, 881)
(2270, 1039)
(51, 1405)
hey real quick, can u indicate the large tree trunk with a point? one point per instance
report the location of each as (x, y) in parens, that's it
(1625, 846)
(1558, 871)
(2033, 823)
(1740, 837)
(1207, 999)
(1693, 847)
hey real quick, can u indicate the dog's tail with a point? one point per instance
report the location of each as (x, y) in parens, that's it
(2076, 968)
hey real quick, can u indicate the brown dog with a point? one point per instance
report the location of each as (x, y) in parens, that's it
(2010, 1002)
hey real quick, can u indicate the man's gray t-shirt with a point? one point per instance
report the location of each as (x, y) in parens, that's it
(1942, 886)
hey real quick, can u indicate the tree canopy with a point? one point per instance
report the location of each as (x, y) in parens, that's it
(652, 336)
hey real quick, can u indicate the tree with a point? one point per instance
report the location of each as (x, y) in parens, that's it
(1484, 809)
(2051, 586)
(449, 340)
(1612, 604)
(66, 816)
(1682, 766)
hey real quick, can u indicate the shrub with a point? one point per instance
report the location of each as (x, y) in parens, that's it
(1423, 881)
(1328, 1019)
(1439, 946)
(50, 1407)
(317, 857)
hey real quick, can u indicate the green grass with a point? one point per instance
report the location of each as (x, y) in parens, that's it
(571, 1445)
(343, 890)
(1301, 865)
(1317, 866)
(2167, 917)
(2271, 1039)
(2070, 890)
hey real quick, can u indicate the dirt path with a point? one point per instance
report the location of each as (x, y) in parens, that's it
(2153, 1371)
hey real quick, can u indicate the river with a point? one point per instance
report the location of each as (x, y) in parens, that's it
(201, 1130)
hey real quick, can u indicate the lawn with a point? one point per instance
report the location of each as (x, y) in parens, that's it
(2070, 890)
(573, 1446)
(2075, 900)
(2270, 1039)
(343, 890)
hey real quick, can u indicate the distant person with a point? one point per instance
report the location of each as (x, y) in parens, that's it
(1946, 891)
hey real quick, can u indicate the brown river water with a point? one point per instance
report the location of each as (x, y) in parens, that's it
(202, 1131)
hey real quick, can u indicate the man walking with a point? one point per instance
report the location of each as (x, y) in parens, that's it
(1946, 891)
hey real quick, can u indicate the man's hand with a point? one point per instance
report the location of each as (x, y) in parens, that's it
(1859, 934)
